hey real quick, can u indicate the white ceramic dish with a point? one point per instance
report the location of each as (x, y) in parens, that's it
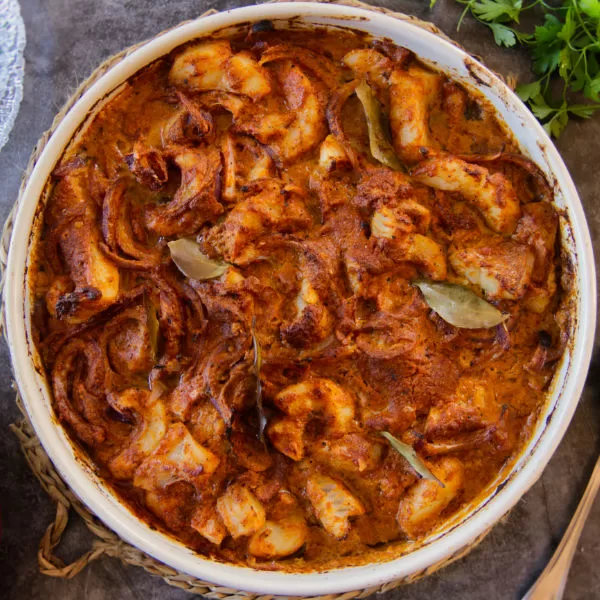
(467, 526)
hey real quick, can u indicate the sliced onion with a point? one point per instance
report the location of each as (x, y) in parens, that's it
(158, 389)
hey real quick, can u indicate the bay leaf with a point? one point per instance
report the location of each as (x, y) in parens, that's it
(262, 419)
(381, 149)
(192, 262)
(459, 306)
(408, 452)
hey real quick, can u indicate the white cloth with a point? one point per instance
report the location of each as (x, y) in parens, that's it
(12, 65)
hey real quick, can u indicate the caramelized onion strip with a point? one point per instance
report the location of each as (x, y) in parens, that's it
(118, 234)
(90, 433)
(317, 64)
(334, 117)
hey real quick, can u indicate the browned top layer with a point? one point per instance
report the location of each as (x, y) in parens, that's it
(257, 150)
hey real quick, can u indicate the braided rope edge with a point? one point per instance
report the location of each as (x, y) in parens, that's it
(107, 542)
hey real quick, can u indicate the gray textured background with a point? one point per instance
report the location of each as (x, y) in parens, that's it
(66, 39)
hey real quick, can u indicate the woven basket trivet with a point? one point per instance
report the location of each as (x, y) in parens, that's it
(107, 542)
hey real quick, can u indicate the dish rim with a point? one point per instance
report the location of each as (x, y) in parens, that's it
(88, 486)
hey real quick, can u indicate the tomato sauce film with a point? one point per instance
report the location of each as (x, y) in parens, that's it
(298, 297)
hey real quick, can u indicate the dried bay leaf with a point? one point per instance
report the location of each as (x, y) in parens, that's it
(381, 149)
(262, 419)
(459, 306)
(408, 452)
(192, 262)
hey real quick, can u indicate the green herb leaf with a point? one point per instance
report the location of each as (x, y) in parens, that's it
(547, 33)
(556, 125)
(590, 8)
(408, 452)
(525, 91)
(585, 111)
(579, 76)
(192, 262)
(565, 63)
(591, 89)
(546, 58)
(539, 107)
(569, 27)
(546, 49)
(381, 149)
(459, 306)
(503, 35)
(496, 10)
(565, 45)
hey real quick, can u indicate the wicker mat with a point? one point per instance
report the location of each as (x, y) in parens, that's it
(107, 542)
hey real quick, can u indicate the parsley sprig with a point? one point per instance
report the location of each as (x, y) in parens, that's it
(565, 51)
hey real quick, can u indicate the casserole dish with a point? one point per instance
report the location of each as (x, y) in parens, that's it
(470, 524)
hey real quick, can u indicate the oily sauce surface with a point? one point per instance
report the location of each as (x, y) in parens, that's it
(257, 151)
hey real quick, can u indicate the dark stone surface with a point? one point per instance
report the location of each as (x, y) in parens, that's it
(66, 39)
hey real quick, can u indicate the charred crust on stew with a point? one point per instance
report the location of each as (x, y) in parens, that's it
(226, 148)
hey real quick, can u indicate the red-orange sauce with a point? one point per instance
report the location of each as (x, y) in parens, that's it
(154, 373)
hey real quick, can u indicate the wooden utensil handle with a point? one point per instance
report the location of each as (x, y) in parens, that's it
(551, 583)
